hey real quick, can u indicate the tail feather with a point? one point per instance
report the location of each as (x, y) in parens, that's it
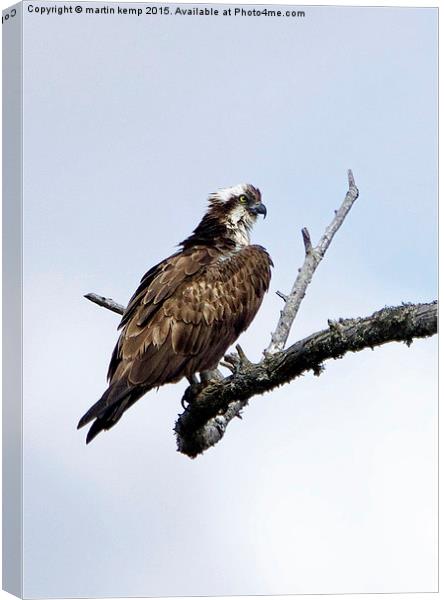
(95, 429)
(115, 393)
(107, 411)
(110, 417)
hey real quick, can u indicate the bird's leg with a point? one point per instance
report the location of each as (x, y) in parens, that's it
(236, 362)
(192, 390)
(196, 386)
(210, 376)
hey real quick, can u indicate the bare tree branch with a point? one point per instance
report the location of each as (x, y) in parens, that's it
(212, 407)
(313, 257)
(106, 303)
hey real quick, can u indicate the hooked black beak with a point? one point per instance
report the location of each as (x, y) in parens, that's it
(259, 209)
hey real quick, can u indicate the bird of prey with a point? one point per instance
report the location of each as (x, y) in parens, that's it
(190, 308)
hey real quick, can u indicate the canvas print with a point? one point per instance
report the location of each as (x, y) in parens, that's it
(219, 299)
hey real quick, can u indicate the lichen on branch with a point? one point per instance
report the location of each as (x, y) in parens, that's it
(211, 409)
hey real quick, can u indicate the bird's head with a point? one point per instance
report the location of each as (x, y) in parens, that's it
(241, 202)
(231, 214)
(237, 208)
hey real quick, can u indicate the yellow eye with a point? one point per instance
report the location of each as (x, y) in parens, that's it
(243, 199)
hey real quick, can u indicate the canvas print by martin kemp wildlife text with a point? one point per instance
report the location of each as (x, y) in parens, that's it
(220, 376)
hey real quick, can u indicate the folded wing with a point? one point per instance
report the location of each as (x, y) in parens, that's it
(183, 317)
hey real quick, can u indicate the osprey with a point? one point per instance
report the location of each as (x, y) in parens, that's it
(190, 308)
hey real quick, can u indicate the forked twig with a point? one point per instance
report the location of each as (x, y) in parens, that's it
(313, 256)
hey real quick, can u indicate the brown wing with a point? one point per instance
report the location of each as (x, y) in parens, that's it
(145, 328)
(181, 320)
(200, 315)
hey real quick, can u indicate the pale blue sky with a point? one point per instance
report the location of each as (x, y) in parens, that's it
(328, 484)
